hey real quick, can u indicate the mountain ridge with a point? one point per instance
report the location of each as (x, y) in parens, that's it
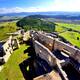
(42, 13)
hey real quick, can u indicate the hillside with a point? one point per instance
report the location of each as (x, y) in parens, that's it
(7, 27)
(56, 16)
(34, 23)
(9, 18)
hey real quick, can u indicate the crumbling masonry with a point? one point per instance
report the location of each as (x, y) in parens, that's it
(55, 53)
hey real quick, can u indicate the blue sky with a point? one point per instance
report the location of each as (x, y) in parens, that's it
(9, 6)
(24, 3)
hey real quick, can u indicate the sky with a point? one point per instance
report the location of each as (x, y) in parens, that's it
(16, 6)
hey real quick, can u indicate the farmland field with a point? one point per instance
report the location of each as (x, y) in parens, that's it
(71, 36)
(66, 25)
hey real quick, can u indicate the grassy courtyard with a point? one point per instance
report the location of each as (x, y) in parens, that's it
(11, 70)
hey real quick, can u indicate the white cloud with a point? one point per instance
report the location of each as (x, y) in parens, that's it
(55, 5)
(19, 9)
(66, 5)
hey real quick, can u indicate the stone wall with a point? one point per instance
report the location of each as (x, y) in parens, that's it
(53, 44)
(44, 53)
(7, 49)
(67, 49)
(9, 46)
(49, 57)
(47, 41)
(26, 36)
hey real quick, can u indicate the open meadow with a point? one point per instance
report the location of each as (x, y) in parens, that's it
(71, 32)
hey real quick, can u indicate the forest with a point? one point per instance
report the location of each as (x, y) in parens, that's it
(33, 23)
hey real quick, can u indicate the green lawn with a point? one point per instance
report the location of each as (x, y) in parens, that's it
(71, 37)
(11, 70)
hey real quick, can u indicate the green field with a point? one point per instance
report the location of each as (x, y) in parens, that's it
(7, 27)
(66, 25)
(70, 36)
(11, 70)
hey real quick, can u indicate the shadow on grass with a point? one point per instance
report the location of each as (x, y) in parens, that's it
(28, 75)
(31, 49)
(28, 42)
(37, 67)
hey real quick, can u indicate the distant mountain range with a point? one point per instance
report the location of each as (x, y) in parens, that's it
(63, 17)
(9, 18)
(57, 16)
(42, 13)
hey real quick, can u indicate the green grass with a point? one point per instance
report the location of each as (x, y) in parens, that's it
(62, 29)
(71, 37)
(11, 70)
(66, 25)
(59, 29)
(7, 27)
